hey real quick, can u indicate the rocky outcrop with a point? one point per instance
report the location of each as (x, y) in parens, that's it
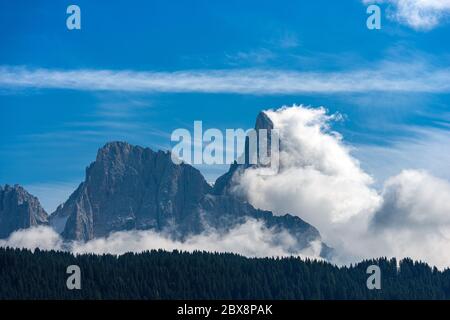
(19, 210)
(130, 187)
(224, 183)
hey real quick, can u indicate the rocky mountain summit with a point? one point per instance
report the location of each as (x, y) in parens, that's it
(134, 188)
(224, 183)
(19, 210)
(131, 187)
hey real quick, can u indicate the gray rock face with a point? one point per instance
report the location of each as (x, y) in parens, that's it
(130, 187)
(225, 212)
(19, 210)
(225, 182)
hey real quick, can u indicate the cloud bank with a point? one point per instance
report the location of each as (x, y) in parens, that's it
(321, 182)
(393, 77)
(417, 14)
(41, 237)
(414, 220)
(252, 239)
(414, 199)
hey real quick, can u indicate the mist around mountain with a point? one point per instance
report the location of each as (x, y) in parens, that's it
(135, 189)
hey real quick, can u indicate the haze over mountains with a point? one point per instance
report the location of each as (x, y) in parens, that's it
(136, 199)
(134, 188)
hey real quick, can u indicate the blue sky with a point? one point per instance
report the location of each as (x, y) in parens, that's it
(133, 70)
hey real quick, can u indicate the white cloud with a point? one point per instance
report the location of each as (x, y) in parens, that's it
(318, 179)
(414, 199)
(418, 14)
(414, 220)
(393, 77)
(258, 56)
(322, 183)
(41, 237)
(252, 239)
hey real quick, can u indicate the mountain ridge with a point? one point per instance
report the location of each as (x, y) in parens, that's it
(19, 210)
(130, 187)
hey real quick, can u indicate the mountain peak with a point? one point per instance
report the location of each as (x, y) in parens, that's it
(129, 187)
(112, 145)
(225, 182)
(19, 210)
(115, 149)
(121, 151)
(263, 121)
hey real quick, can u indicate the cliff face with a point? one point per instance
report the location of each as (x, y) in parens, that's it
(19, 210)
(130, 187)
(225, 183)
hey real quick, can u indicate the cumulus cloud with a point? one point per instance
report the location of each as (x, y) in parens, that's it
(321, 182)
(418, 14)
(414, 220)
(318, 179)
(41, 237)
(252, 239)
(385, 76)
(414, 199)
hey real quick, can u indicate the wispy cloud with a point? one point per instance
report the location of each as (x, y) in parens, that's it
(256, 57)
(112, 118)
(387, 76)
(421, 149)
(417, 14)
(288, 40)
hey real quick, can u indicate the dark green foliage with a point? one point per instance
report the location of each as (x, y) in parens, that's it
(201, 275)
